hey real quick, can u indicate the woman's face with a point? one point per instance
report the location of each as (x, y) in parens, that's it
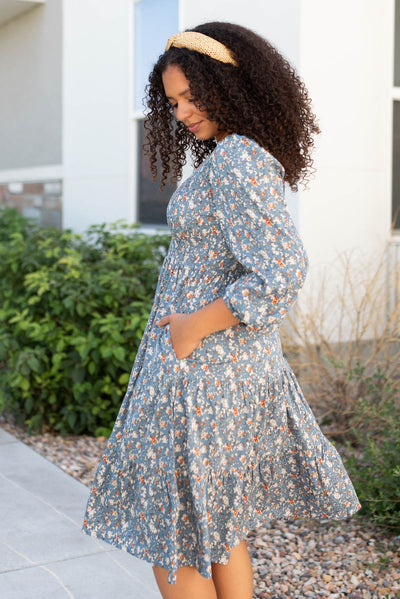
(176, 88)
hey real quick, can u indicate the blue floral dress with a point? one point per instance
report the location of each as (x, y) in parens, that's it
(209, 447)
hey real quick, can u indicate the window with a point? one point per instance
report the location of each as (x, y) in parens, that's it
(154, 21)
(396, 123)
(152, 203)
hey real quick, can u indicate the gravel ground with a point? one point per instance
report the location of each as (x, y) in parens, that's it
(291, 559)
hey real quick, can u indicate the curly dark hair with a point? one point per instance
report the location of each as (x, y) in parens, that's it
(262, 98)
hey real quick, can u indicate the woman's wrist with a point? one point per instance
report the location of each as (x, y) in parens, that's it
(213, 317)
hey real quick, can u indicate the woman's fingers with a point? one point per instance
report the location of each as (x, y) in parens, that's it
(164, 320)
(181, 338)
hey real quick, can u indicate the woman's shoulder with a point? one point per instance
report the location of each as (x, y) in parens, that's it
(240, 150)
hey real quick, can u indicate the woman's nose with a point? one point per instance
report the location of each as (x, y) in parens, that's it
(183, 111)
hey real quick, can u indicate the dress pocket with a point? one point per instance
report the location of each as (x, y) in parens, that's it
(237, 344)
(232, 345)
(167, 341)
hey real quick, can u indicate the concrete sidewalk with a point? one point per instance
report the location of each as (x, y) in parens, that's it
(43, 553)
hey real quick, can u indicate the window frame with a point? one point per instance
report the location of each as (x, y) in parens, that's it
(135, 118)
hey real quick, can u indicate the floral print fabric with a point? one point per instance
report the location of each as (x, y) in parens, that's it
(208, 447)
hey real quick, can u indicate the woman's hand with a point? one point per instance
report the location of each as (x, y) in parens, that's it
(187, 330)
(183, 337)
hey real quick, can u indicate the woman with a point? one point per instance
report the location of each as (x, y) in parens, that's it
(214, 436)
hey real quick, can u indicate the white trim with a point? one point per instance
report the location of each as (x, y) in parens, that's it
(153, 229)
(34, 173)
(133, 171)
(181, 23)
(396, 93)
(135, 118)
(132, 150)
(187, 169)
(137, 114)
(131, 58)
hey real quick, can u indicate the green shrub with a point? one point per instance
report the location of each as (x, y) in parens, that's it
(374, 463)
(73, 311)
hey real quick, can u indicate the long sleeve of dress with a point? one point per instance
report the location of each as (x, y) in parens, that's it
(247, 191)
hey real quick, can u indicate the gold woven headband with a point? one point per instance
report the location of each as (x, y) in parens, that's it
(193, 40)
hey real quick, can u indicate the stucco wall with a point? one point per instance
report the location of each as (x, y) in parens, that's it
(30, 82)
(346, 61)
(96, 100)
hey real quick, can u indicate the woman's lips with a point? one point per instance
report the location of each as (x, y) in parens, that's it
(194, 126)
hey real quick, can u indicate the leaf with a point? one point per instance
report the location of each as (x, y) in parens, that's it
(34, 364)
(80, 308)
(22, 382)
(71, 419)
(29, 405)
(92, 367)
(57, 360)
(119, 353)
(78, 374)
(124, 379)
(102, 431)
(106, 351)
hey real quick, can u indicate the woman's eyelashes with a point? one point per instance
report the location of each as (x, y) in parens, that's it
(174, 106)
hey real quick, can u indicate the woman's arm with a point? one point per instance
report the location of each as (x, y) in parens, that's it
(247, 196)
(189, 329)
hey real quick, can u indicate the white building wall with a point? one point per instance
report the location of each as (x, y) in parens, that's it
(96, 126)
(346, 60)
(30, 84)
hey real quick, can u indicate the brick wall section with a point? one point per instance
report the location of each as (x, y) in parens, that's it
(41, 201)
